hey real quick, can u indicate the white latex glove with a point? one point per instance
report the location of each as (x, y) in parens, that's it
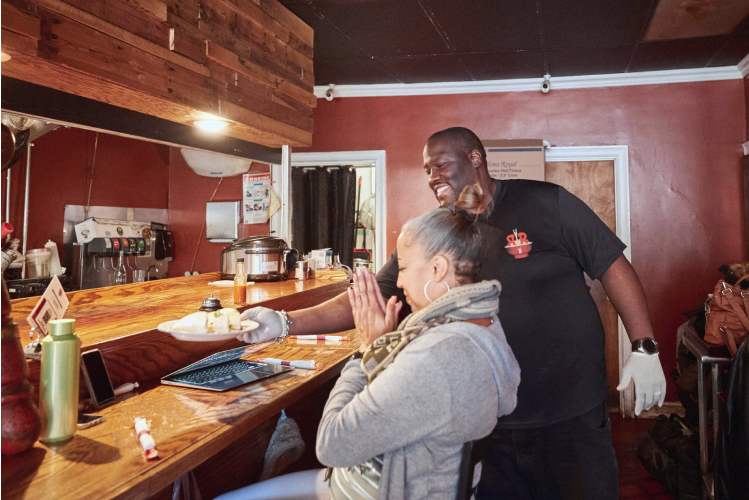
(650, 382)
(271, 325)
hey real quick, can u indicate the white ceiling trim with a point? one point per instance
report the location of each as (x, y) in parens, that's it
(534, 84)
(743, 66)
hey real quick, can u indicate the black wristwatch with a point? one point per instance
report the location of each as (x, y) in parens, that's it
(357, 355)
(645, 346)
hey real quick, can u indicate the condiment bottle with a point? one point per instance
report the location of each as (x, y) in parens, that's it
(54, 260)
(240, 284)
(58, 387)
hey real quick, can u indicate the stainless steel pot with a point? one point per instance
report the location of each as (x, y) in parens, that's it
(266, 258)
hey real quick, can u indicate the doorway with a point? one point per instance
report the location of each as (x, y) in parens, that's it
(370, 166)
(599, 175)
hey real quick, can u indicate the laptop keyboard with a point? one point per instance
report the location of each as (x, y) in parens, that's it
(217, 373)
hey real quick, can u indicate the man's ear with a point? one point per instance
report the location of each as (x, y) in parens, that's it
(475, 157)
(440, 266)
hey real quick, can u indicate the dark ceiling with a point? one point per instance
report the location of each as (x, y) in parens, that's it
(415, 41)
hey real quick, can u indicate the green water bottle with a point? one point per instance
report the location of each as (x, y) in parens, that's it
(58, 387)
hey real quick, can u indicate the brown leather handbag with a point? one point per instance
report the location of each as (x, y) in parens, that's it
(727, 315)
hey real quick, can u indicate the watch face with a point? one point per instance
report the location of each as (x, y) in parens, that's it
(650, 346)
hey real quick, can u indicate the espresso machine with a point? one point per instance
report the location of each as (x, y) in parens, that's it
(143, 249)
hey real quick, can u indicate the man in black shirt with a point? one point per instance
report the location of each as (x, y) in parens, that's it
(537, 241)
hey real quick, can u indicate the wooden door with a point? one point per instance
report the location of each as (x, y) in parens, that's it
(593, 182)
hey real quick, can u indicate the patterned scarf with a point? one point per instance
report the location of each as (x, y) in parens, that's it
(477, 300)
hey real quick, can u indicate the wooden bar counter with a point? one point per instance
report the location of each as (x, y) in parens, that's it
(221, 436)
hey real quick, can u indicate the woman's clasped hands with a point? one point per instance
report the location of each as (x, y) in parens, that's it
(373, 316)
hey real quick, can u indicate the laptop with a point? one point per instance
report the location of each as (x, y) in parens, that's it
(223, 371)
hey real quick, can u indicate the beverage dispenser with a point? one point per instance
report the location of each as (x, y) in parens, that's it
(104, 245)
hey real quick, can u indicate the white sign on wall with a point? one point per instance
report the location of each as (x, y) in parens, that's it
(515, 158)
(255, 198)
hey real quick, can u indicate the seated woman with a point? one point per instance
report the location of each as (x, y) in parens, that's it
(396, 420)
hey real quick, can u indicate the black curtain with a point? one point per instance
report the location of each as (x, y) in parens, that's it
(324, 204)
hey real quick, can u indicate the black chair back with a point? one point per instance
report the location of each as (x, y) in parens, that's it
(470, 469)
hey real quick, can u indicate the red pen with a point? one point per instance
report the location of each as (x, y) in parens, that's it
(319, 337)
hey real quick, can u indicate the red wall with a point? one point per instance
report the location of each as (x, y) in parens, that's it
(127, 173)
(746, 103)
(685, 155)
(188, 194)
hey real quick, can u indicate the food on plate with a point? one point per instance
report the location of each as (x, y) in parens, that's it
(233, 316)
(193, 323)
(222, 321)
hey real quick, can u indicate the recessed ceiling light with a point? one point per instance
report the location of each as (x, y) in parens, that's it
(211, 125)
(4, 57)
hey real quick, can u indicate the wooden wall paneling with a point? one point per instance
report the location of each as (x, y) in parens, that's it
(281, 98)
(297, 93)
(219, 17)
(186, 10)
(67, 42)
(293, 135)
(298, 28)
(237, 95)
(188, 46)
(294, 57)
(221, 55)
(20, 21)
(26, 68)
(124, 15)
(258, 16)
(299, 45)
(15, 44)
(164, 53)
(156, 8)
(283, 69)
(261, 33)
(235, 79)
(98, 24)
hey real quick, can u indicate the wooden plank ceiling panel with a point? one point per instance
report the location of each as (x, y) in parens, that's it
(249, 63)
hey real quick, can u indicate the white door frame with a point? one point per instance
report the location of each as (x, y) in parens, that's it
(620, 156)
(374, 158)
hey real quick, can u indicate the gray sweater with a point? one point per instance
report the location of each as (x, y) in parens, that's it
(446, 387)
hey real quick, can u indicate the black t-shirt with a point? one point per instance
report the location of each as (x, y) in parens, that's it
(546, 310)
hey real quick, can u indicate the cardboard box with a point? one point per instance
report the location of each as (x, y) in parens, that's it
(515, 158)
(94, 227)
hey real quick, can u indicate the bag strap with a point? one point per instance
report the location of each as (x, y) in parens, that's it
(728, 341)
(736, 306)
(741, 279)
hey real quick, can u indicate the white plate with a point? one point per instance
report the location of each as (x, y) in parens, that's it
(166, 326)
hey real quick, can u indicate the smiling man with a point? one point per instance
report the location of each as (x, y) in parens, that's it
(453, 159)
(537, 240)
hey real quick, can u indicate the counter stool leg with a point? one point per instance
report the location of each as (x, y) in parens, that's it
(716, 408)
(703, 426)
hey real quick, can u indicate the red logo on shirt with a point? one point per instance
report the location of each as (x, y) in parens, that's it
(518, 244)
